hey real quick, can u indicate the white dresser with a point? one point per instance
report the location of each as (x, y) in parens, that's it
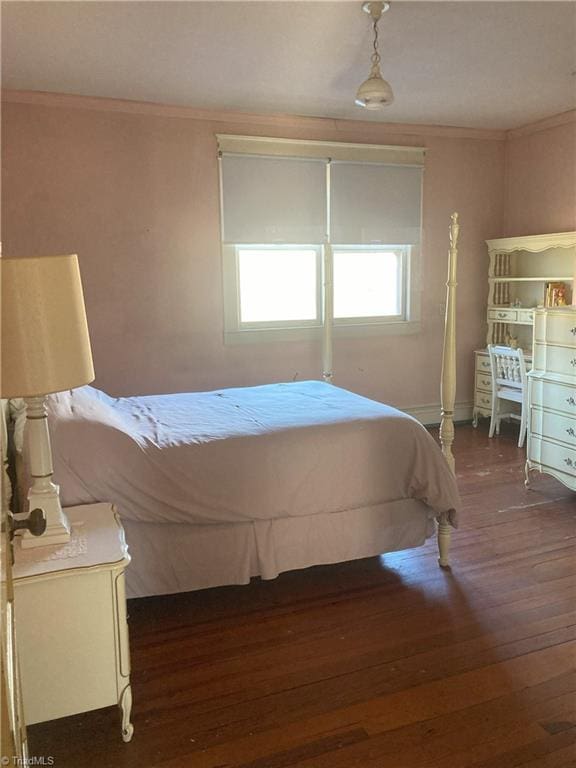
(552, 396)
(70, 610)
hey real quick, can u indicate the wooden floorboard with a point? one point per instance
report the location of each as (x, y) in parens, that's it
(387, 662)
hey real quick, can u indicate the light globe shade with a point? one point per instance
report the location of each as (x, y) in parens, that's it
(374, 93)
(44, 332)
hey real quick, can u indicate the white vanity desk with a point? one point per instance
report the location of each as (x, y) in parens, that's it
(70, 610)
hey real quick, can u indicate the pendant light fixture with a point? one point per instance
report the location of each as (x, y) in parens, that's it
(375, 92)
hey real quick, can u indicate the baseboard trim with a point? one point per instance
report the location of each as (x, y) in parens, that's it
(429, 415)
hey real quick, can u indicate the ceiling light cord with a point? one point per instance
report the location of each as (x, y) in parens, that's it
(375, 55)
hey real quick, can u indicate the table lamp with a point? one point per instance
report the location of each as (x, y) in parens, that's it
(45, 349)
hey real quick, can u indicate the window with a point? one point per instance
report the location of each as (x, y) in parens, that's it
(278, 285)
(317, 233)
(281, 286)
(368, 283)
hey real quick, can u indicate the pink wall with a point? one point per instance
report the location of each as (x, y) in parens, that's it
(541, 179)
(136, 196)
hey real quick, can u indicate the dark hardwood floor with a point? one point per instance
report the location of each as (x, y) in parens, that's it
(382, 663)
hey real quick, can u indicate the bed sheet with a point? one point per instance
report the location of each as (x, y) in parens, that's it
(240, 454)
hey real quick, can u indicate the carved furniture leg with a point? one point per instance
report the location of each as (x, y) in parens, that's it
(527, 474)
(125, 705)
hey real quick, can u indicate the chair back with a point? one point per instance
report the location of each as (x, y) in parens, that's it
(508, 368)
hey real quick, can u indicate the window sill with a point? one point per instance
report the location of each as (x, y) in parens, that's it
(350, 330)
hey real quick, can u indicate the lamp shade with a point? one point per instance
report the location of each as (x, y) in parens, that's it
(44, 332)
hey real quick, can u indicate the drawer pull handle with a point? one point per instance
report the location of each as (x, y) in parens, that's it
(571, 432)
(502, 314)
(570, 400)
(573, 362)
(573, 331)
(488, 382)
(570, 462)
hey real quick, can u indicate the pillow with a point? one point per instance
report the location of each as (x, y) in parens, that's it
(91, 401)
(87, 430)
(86, 404)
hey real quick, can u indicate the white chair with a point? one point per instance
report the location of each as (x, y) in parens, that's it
(508, 383)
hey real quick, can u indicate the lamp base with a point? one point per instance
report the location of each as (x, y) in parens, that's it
(57, 524)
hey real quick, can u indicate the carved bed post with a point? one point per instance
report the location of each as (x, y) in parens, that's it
(448, 383)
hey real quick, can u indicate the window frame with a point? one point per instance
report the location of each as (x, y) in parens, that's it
(244, 325)
(238, 332)
(403, 254)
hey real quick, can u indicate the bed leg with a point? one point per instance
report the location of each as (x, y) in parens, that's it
(444, 534)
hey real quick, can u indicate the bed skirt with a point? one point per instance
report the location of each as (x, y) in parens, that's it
(175, 557)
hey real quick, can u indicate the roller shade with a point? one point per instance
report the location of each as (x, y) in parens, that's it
(273, 200)
(375, 203)
(276, 191)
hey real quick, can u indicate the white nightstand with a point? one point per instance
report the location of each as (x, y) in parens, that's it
(70, 610)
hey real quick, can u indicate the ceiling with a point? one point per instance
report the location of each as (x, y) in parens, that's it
(477, 64)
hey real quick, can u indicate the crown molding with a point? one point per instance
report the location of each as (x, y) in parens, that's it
(564, 118)
(340, 126)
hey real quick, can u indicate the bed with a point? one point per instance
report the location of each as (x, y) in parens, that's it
(215, 488)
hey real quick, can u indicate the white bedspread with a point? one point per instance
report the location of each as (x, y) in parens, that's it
(235, 455)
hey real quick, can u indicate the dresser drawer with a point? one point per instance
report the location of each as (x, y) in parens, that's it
(484, 381)
(550, 394)
(554, 426)
(483, 400)
(553, 456)
(556, 328)
(555, 359)
(483, 363)
(503, 315)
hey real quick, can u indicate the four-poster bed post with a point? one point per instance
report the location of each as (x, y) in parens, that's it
(448, 382)
(448, 377)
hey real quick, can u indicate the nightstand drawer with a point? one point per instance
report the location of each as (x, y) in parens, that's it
(65, 669)
(554, 426)
(503, 315)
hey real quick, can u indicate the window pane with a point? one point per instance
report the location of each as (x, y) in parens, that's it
(277, 284)
(366, 284)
